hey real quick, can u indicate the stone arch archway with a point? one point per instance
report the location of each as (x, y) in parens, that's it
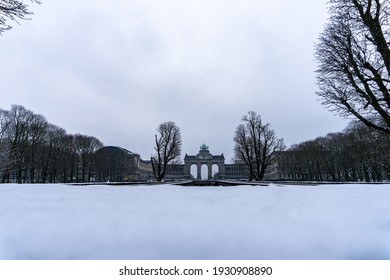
(204, 157)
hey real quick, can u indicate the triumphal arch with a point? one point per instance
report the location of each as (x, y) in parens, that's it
(204, 157)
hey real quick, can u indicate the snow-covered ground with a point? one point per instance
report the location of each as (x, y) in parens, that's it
(174, 222)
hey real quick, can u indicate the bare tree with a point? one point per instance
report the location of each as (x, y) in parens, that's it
(18, 136)
(33, 150)
(52, 155)
(37, 135)
(13, 10)
(5, 157)
(168, 149)
(353, 58)
(4, 123)
(86, 146)
(68, 156)
(256, 145)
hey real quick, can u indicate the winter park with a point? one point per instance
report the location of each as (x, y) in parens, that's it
(184, 163)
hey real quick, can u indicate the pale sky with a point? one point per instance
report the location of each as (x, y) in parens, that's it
(117, 69)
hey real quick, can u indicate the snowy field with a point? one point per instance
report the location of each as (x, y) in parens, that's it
(174, 222)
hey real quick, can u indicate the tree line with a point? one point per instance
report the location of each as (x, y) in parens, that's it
(34, 150)
(359, 153)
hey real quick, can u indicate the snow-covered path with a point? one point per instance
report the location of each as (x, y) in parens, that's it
(173, 222)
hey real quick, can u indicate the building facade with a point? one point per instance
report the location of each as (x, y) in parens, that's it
(118, 164)
(204, 157)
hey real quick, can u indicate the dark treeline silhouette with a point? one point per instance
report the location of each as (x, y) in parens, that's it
(359, 153)
(34, 150)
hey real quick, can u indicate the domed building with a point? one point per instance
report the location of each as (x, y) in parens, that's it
(116, 164)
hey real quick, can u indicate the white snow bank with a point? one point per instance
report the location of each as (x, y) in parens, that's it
(173, 222)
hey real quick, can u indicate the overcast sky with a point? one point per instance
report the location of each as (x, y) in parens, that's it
(117, 69)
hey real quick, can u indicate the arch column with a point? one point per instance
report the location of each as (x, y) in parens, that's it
(199, 171)
(210, 171)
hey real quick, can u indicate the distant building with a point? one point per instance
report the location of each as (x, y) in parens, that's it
(204, 157)
(118, 164)
(236, 172)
